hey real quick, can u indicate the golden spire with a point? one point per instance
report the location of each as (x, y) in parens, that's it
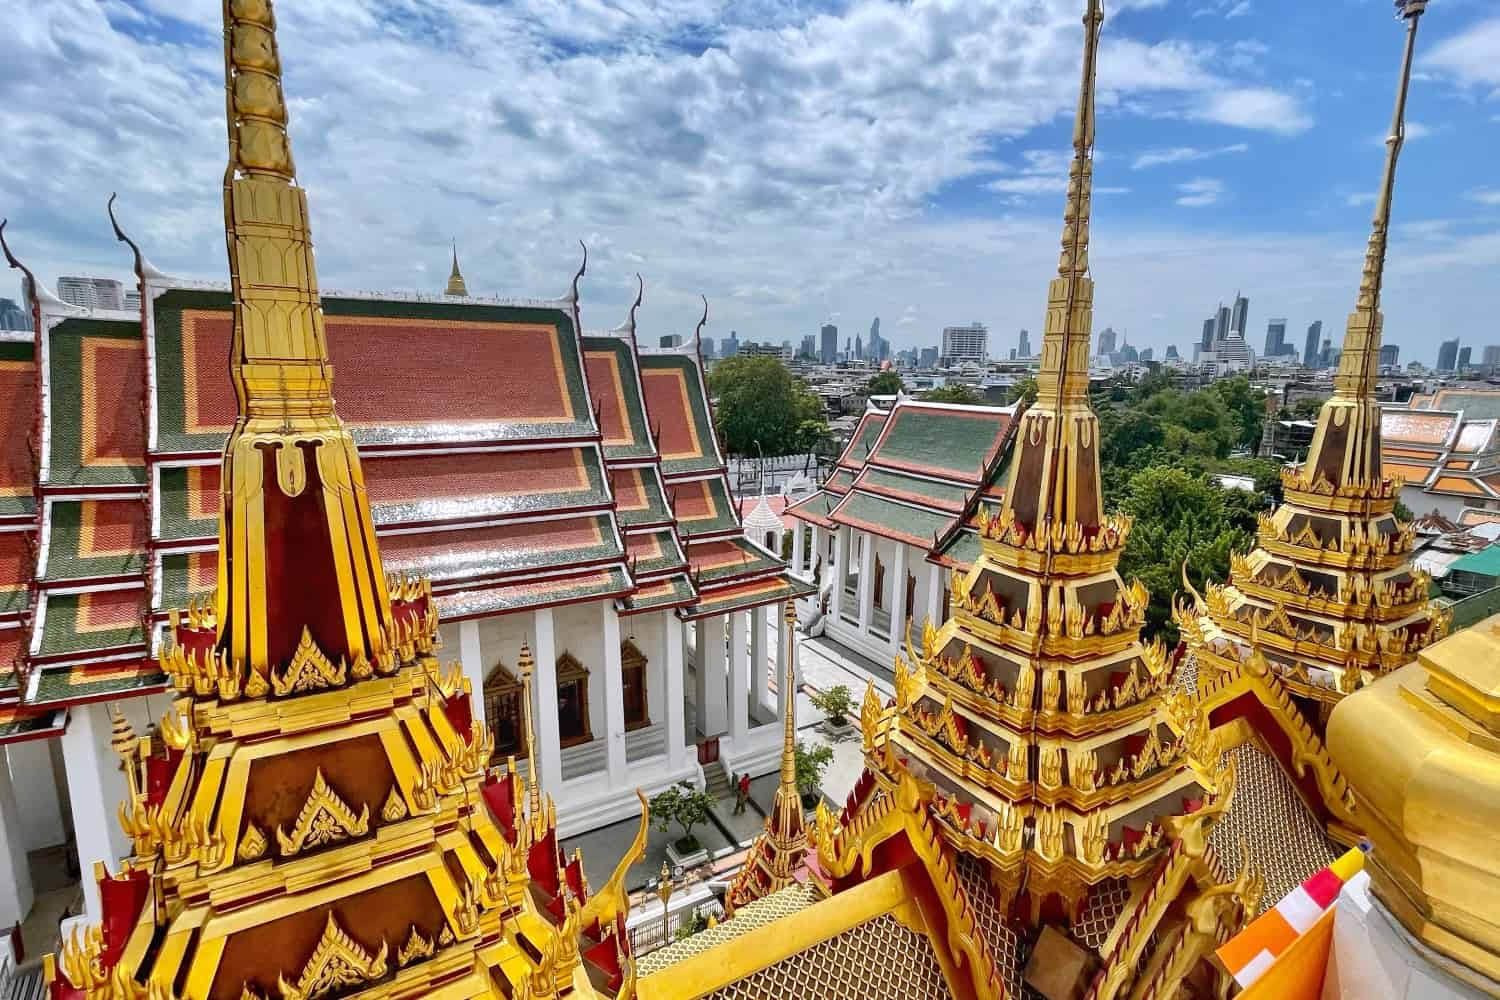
(456, 286)
(297, 541)
(1056, 475)
(787, 809)
(1346, 445)
(525, 665)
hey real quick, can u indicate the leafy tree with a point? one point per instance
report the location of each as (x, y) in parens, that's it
(1023, 390)
(1246, 406)
(954, 393)
(886, 383)
(812, 762)
(684, 806)
(835, 702)
(758, 400)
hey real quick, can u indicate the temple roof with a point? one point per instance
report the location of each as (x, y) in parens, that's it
(677, 405)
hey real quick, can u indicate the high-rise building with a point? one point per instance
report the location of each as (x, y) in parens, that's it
(670, 340)
(1240, 317)
(1491, 356)
(13, 317)
(91, 293)
(810, 346)
(879, 348)
(1206, 341)
(1023, 345)
(1447, 358)
(928, 358)
(1172, 354)
(1310, 348)
(707, 347)
(1107, 341)
(830, 344)
(859, 348)
(1221, 323)
(1147, 355)
(1275, 337)
(1464, 354)
(966, 343)
(1389, 355)
(132, 300)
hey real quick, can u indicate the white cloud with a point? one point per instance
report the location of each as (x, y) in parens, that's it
(1472, 57)
(1183, 154)
(1414, 131)
(1485, 196)
(1200, 192)
(1359, 198)
(1255, 108)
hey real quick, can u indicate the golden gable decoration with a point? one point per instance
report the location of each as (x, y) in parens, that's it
(325, 819)
(337, 962)
(310, 670)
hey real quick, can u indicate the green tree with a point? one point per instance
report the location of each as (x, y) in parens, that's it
(886, 383)
(1246, 406)
(835, 702)
(812, 762)
(1023, 390)
(684, 806)
(954, 393)
(759, 401)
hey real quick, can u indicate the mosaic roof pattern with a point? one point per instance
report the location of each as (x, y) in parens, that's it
(912, 489)
(17, 415)
(639, 498)
(729, 558)
(913, 525)
(758, 913)
(750, 594)
(449, 556)
(95, 538)
(94, 622)
(112, 679)
(677, 406)
(951, 442)
(702, 506)
(675, 591)
(15, 571)
(1477, 404)
(612, 376)
(654, 552)
(95, 424)
(863, 439)
(533, 593)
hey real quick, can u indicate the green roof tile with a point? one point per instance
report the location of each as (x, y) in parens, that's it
(533, 594)
(890, 519)
(669, 592)
(941, 496)
(95, 538)
(661, 552)
(703, 507)
(95, 622)
(610, 363)
(62, 685)
(862, 441)
(746, 594)
(938, 441)
(95, 426)
(677, 407)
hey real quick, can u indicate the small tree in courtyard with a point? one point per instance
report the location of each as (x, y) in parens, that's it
(812, 762)
(836, 703)
(685, 806)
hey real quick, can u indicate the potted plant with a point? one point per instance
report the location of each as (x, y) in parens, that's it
(837, 704)
(812, 762)
(685, 807)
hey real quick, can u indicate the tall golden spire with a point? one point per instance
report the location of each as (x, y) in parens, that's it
(1056, 474)
(525, 665)
(296, 537)
(786, 811)
(1346, 446)
(456, 286)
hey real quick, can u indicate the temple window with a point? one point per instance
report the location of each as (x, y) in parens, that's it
(502, 707)
(633, 671)
(572, 701)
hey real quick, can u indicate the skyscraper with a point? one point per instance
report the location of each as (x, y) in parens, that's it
(1107, 341)
(13, 317)
(707, 347)
(670, 340)
(830, 345)
(859, 348)
(1389, 353)
(91, 293)
(928, 358)
(1023, 345)
(1221, 323)
(1275, 337)
(966, 343)
(1240, 319)
(1310, 348)
(1172, 354)
(810, 346)
(879, 348)
(1206, 341)
(1464, 354)
(1491, 356)
(1447, 358)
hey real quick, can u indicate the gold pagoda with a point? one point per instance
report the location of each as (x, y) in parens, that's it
(313, 817)
(1329, 600)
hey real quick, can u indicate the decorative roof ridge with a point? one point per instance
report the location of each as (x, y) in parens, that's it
(144, 270)
(43, 301)
(565, 303)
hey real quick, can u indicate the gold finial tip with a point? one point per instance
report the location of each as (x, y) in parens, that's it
(524, 662)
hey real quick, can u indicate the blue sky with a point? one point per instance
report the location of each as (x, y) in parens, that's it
(793, 161)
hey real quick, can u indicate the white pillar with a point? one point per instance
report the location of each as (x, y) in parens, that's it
(96, 787)
(797, 547)
(934, 612)
(866, 583)
(614, 695)
(759, 672)
(898, 597)
(544, 697)
(781, 638)
(16, 894)
(815, 551)
(739, 682)
(839, 570)
(470, 654)
(674, 674)
(713, 717)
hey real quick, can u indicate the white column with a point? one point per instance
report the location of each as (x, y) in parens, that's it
(898, 597)
(614, 695)
(739, 683)
(797, 547)
(96, 786)
(544, 697)
(713, 717)
(674, 674)
(934, 611)
(16, 894)
(781, 637)
(839, 570)
(866, 582)
(472, 658)
(815, 551)
(759, 672)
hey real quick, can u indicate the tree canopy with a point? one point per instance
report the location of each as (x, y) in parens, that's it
(758, 400)
(954, 393)
(886, 383)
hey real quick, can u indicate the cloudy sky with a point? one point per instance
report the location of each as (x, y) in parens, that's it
(793, 160)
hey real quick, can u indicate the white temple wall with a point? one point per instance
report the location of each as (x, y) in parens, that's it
(38, 807)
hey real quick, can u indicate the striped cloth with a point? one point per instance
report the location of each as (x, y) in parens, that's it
(1255, 949)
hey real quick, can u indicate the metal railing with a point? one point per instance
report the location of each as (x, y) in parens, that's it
(652, 933)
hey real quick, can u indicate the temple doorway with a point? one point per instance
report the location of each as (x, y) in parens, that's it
(572, 701)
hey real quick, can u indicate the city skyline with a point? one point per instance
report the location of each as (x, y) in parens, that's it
(838, 215)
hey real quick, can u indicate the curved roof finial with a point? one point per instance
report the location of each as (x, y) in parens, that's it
(583, 268)
(35, 290)
(143, 267)
(698, 333)
(640, 293)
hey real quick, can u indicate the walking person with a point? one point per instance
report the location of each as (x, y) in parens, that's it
(740, 785)
(744, 790)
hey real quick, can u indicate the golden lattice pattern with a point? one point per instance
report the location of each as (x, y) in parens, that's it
(1005, 946)
(876, 960)
(1101, 911)
(747, 918)
(1286, 842)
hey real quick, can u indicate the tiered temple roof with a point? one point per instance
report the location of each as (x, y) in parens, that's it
(1445, 451)
(1329, 600)
(313, 817)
